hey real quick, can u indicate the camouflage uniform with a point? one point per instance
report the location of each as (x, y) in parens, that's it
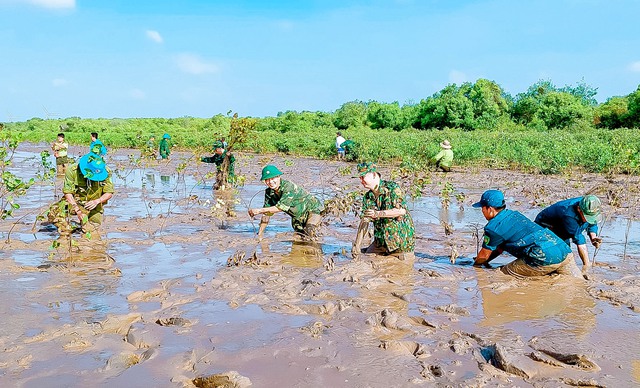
(83, 190)
(295, 201)
(394, 234)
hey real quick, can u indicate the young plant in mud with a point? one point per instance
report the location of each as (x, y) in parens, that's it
(11, 186)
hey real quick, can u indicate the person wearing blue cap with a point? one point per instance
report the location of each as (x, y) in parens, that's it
(165, 147)
(87, 187)
(284, 196)
(570, 218)
(538, 251)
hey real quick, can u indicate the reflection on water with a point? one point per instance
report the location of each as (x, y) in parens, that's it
(561, 299)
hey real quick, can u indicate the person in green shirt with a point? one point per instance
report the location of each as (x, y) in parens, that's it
(87, 187)
(444, 158)
(60, 148)
(385, 205)
(285, 196)
(165, 147)
(224, 172)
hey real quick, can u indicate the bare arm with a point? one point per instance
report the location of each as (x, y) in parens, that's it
(390, 213)
(362, 231)
(486, 255)
(584, 256)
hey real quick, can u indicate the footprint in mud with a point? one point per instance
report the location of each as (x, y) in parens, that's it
(416, 349)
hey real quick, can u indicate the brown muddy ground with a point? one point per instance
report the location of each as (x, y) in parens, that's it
(155, 304)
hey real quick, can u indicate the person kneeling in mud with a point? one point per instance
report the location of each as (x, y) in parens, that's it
(284, 196)
(385, 205)
(538, 251)
(87, 187)
(225, 171)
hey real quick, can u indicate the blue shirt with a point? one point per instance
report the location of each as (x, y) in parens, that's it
(516, 234)
(563, 219)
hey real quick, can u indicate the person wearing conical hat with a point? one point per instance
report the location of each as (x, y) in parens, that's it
(87, 187)
(570, 218)
(444, 158)
(165, 147)
(284, 196)
(385, 205)
(538, 250)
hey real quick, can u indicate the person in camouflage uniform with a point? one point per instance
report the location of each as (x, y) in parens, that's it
(284, 196)
(87, 186)
(384, 204)
(219, 155)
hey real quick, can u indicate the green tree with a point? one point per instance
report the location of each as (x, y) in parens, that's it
(489, 103)
(561, 110)
(449, 108)
(385, 116)
(633, 118)
(352, 114)
(613, 113)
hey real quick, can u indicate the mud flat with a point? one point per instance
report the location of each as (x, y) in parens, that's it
(157, 305)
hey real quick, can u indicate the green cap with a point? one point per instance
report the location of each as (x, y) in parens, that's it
(366, 167)
(270, 171)
(218, 144)
(590, 206)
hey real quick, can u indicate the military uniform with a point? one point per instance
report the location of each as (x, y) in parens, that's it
(394, 234)
(295, 201)
(218, 159)
(83, 190)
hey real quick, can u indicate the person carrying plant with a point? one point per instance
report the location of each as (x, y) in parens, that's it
(385, 205)
(538, 250)
(165, 147)
(150, 150)
(60, 148)
(284, 196)
(87, 187)
(225, 164)
(570, 218)
(444, 158)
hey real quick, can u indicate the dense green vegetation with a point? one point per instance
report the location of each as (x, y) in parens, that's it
(545, 129)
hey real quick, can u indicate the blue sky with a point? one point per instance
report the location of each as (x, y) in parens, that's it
(140, 58)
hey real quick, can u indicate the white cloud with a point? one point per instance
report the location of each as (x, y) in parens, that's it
(137, 94)
(57, 82)
(58, 4)
(192, 64)
(457, 77)
(154, 36)
(635, 67)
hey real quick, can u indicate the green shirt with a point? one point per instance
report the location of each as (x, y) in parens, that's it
(84, 190)
(164, 148)
(218, 159)
(293, 200)
(445, 157)
(392, 233)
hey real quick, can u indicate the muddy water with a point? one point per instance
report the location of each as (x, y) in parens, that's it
(157, 305)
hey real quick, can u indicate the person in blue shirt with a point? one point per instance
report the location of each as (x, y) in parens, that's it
(570, 218)
(96, 146)
(537, 250)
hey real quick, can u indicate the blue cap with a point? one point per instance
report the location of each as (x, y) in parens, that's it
(92, 167)
(491, 198)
